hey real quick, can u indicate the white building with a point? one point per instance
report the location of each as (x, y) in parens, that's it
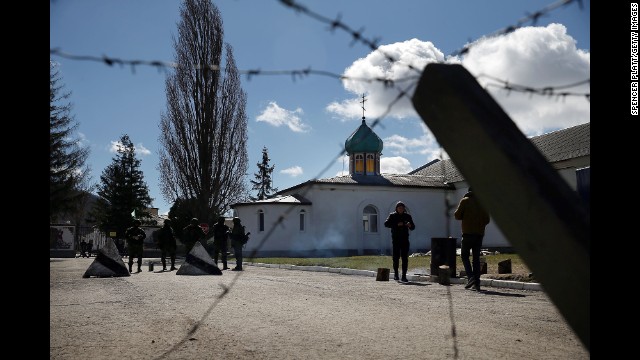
(344, 215)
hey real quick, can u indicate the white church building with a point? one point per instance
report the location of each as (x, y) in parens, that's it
(344, 215)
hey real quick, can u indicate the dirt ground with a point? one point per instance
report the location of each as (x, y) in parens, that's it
(266, 313)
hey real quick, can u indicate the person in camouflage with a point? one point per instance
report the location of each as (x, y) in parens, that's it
(191, 234)
(167, 244)
(220, 236)
(135, 238)
(238, 239)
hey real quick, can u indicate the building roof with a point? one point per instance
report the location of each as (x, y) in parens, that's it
(555, 146)
(363, 140)
(294, 199)
(565, 144)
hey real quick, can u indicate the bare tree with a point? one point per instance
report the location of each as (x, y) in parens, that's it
(203, 137)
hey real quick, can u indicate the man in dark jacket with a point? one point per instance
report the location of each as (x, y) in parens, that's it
(191, 234)
(238, 239)
(135, 237)
(167, 244)
(220, 236)
(474, 220)
(400, 223)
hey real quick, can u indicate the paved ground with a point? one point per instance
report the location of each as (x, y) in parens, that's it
(266, 313)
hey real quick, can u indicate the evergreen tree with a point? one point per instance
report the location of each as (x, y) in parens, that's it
(263, 182)
(203, 141)
(122, 191)
(68, 172)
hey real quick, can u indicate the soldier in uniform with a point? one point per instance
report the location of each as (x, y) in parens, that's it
(238, 239)
(220, 235)
(135, 237)
(167, 244)
(191, 234)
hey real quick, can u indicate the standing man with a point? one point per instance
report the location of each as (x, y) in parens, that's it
(191, 234)
(135, 237)
(220, 235)
(400, 223)
(474, 220)
(167, 244)
(238, 239)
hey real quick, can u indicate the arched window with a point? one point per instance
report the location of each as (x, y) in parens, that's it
(370, 219)
(371, 164)
(359, 164)
(302, 214)
(260, 220)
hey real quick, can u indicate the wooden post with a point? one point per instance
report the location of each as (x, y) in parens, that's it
(444, 275)
(383, 274)
(541, 216)
(504, 267)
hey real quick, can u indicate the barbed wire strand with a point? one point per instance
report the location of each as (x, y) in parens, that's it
(301, 73)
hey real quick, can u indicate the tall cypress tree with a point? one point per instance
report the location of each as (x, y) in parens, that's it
(122, 191)
(263, 182)
(203, 141)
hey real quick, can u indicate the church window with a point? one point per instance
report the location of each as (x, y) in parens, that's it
(370, 219)
(302, 216)
(371, 164)
(359, 164)
(260, 220)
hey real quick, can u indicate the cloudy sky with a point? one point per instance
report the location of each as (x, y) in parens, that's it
(304, 121)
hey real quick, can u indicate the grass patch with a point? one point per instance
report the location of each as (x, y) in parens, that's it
(422, 264)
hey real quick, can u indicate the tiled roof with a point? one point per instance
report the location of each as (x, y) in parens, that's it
(555, 146)
(385, 179)
(280, 199)
(565, 144)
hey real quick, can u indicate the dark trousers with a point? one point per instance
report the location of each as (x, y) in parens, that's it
(471, 243)
(135, 251)
(221, 249)
(237, 251)
(163, 257)
(400, 250)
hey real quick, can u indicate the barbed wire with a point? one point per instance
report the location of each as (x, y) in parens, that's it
(301, 73)
(549, 91)
(531, 18)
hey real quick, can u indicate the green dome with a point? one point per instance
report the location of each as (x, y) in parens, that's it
(363, 140)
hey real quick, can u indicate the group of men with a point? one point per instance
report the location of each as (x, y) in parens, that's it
(192, 233)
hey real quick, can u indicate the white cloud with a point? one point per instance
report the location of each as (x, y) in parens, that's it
(425, 144)
(536, 57)
(342, 173)
(394, 165)
(532, 56)
(139, 149)
(277, 116)
(293, 171)
(412, 52)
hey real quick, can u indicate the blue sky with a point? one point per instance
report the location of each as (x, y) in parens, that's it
(304, 121)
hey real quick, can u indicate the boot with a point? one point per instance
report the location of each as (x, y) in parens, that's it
(130, 269)
(224, 266)
(164, 266)
(395, 275)
(404, 277)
